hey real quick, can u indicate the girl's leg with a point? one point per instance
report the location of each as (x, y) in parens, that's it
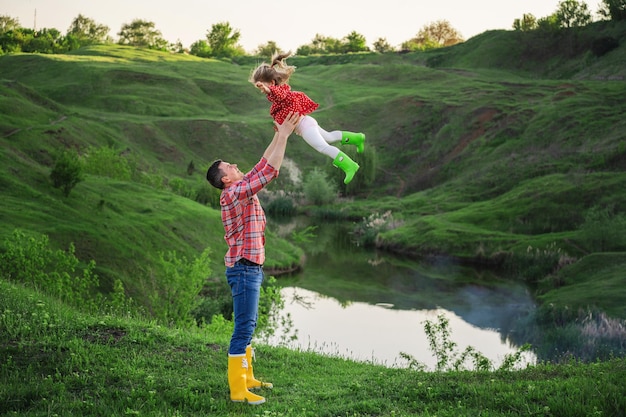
(330, 137)
(345, 137)
(311, 133)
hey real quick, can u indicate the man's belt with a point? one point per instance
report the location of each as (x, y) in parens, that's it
(246, 262)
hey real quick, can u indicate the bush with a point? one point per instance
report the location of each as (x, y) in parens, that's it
(177, 289)
(216, 301)
(318, 189)
(107, 162)
(281, 206)
(30, 260)
(208, 195)
(604, 230)
(368, 230)
(67, 172)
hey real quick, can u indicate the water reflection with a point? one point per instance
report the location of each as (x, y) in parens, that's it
(375, 333)
(371, 306)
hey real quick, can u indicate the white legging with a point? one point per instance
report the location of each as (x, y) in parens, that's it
(317, 137)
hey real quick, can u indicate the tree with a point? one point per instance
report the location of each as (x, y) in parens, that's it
(45, 41)
(381, 45)
(527, 23)
(548, 24)
(12, 36)
(268, 49)
(319, 45)
(200, 48)
(613, 9)
(67, 172)
(223, 41)
(434, 35)
(318, 189)
(143, 34)
(572, 13)
(7, 23)
(354, 42)
(86, 31)
(441, 32)
(177, 47)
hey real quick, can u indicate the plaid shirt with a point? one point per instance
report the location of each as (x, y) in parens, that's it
(243, 217)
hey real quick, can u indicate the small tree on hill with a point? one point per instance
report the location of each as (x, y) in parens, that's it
(527, 23)
(7, 23)
(223, 40)
(67, 172)
(142, 33)
(354, 42)
(86, 31)
(613, 9)
(268, 49)
(200, 48)
(434, 35)
(381, 45)
(318, 189)
(572, 13)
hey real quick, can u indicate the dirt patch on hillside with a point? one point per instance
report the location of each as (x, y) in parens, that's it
(427, 175)
(481, 118)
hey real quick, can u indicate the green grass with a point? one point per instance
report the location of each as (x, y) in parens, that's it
(57, 361)
(479, 157)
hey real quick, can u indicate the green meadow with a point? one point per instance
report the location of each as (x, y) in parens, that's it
(507, 151)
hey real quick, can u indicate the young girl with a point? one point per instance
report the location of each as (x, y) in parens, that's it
(273, 81)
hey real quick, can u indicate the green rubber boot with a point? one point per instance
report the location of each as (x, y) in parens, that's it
(347, 165)
(351, 138)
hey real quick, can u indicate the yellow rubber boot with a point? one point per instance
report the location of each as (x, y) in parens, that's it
(347, 165)
(351, 138)
(237, 369)
(251, 381)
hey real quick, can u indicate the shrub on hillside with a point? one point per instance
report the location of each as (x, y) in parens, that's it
(107, 162)
(67, 172)
(177, 286)
(604, 230)
(208, 195)
(318, 189)
(281, 206)
(31, 261)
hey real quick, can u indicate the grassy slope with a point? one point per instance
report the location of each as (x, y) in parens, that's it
(478, 153)
(162, 111)
(57, 361)
(487, 155)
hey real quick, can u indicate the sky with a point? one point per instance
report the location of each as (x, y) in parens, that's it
(290, 24)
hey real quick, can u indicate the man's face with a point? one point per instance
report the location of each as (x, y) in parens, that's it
(231, 173)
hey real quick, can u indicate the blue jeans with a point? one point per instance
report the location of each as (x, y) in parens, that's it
(245, 285)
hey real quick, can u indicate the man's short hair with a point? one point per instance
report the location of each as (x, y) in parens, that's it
(214, 175)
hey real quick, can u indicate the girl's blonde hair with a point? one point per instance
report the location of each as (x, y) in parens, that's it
(278, 71)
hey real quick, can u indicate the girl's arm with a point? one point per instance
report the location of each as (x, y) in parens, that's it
(263, 87)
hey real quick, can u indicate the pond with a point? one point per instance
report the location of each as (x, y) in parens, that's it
(369, 306)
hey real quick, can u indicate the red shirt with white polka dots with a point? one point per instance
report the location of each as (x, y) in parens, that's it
(284, 101)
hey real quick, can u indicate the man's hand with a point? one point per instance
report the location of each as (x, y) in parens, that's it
(275, 152)
(289, 124)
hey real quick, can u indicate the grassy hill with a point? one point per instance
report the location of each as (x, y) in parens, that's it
(480, 150)
(58, 361)
(508, 149)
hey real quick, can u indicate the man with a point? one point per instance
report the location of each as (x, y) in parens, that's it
(244, 224)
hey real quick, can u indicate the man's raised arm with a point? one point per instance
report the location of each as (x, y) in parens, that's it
(275, 152)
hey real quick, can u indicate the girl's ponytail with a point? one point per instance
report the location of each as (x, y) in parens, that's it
(279, 59)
